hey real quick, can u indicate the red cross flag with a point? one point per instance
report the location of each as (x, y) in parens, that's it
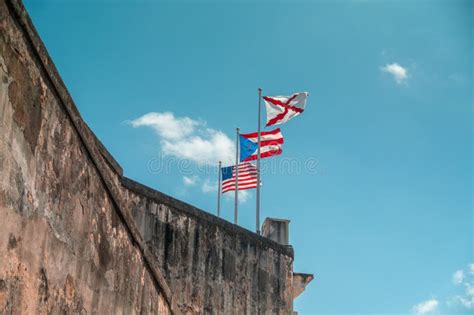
(280, 109)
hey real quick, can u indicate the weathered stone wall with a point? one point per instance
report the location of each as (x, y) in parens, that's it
(63, 245)
(212, 266)
(77, 237)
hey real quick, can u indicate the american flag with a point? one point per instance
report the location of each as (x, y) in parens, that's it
(247, 177)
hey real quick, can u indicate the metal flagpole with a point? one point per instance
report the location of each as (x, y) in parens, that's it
(236, 206)
(219, 190)
(258, 161)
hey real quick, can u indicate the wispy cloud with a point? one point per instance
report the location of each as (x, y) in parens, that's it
(399, 73)
(463, 300)
(189, 180)
(244, 196)
(465, 279)
(187, 138)
(426, 307)
(209, 186)
(458, 277)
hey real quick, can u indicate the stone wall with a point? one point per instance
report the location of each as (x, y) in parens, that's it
(78, 237)
(212, 266)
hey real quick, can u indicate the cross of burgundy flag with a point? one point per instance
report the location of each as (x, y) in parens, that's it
(280, 109)
(270, 144)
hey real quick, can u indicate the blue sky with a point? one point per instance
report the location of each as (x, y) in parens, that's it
(384, 215)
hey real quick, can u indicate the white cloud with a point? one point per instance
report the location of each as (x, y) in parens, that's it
(190, 181)
(209, 148)
(400, 74)
(426, 307)
(464, 298)
(465, 301)
(244, 195)
(471, 269)
(470, 289)
(466, 279)
(209, 186)
(166, 125)
(189, 139)
(458, 277)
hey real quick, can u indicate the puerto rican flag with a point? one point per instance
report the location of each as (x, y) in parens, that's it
(280, 109)
(270, 144)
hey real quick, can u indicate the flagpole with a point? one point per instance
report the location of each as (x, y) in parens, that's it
(257, 212)
(236, 199)
(219, 189)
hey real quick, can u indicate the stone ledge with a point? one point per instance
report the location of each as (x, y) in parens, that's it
(111, 161)
(205, 217)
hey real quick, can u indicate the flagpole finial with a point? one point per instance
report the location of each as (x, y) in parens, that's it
(260, 89)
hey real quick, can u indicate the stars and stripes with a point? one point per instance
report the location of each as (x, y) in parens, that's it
(270, 144)
(247, 177)
(280, 109)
